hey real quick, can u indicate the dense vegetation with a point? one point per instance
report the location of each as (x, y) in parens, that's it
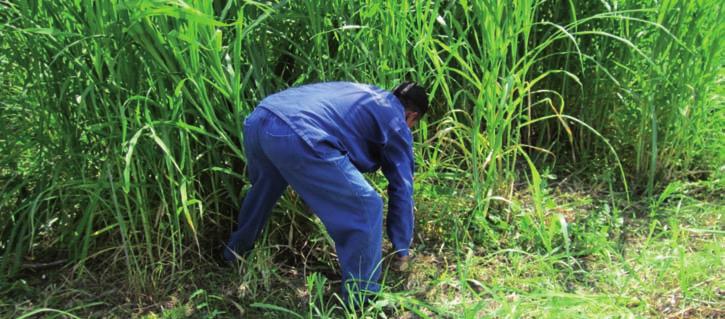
(572, 163)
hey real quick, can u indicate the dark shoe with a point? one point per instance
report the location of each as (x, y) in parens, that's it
(220, 257)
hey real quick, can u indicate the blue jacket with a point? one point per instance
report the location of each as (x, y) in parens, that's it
(364, 122)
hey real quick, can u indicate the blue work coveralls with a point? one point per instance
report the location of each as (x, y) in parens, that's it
(318, 138)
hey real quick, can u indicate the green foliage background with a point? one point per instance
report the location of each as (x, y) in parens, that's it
(121, 120)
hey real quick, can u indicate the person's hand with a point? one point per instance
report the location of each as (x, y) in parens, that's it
(401, 263)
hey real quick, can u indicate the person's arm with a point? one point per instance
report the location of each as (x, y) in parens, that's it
(397, 166)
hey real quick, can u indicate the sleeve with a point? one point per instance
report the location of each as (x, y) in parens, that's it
(397, 166)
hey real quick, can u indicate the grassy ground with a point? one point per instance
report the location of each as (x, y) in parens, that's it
(659, 258)
(121, 165)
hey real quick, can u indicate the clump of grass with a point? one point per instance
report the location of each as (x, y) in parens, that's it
(121, 138)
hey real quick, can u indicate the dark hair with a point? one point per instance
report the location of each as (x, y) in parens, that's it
(413, 97)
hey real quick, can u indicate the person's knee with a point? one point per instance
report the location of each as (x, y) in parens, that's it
(373, 204)
(372, 201)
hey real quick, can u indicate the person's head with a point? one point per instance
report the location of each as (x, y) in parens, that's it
(414, 99)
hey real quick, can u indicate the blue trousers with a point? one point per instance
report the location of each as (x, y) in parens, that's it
(327, 181)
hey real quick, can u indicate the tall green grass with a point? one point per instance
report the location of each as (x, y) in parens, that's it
(121, 135)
